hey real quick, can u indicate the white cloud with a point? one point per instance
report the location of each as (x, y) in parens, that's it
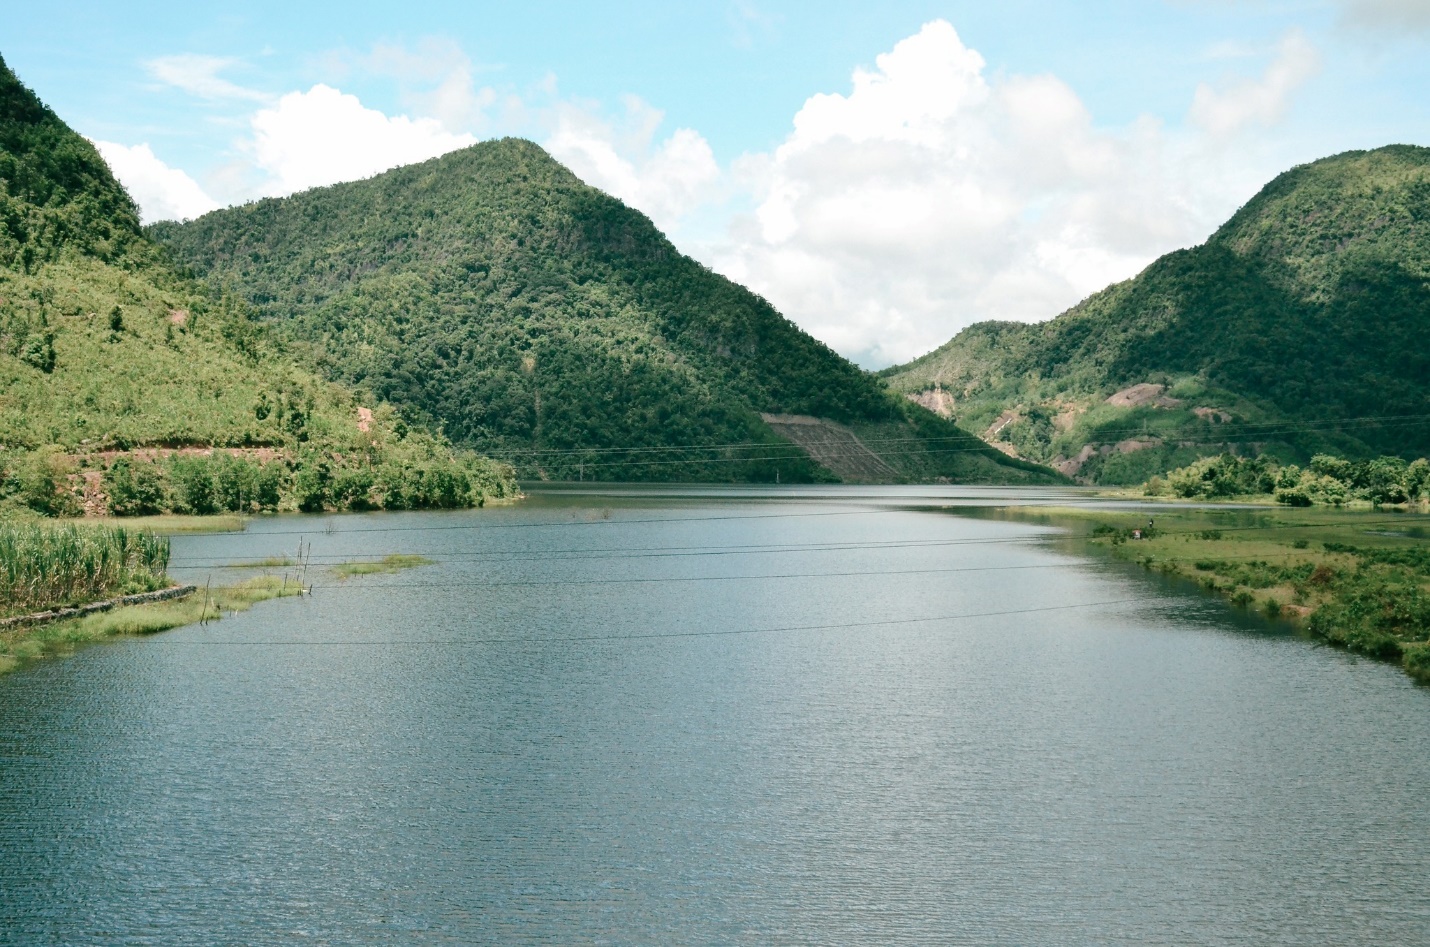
(1260, 101)
(932, 196)
(666, 181)
(322, 136)
(1389, 15)
(438, 80)
(162, 192)
(199, 75)
(749, 24)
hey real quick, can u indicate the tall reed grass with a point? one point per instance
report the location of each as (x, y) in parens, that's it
(44, 565)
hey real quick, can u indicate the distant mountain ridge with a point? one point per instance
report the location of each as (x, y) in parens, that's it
(1299, 326)
(491, 292)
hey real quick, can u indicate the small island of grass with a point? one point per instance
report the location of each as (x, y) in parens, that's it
(387, 564)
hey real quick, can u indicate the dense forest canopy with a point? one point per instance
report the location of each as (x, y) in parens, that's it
(492, 293)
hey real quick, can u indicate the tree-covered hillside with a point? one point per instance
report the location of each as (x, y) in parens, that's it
(1299, 327)
(491, 292)
(108, 355)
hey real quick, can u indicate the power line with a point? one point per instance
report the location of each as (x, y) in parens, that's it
(1150, 508)
(654, 552)
(705, 578)
(473, 642)
(670, 552)
(569, 523)
(789, 450)
(661, 580)
(1244, 427)
(793, 451)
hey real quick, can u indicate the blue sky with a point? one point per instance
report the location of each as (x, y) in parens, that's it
(995, 161)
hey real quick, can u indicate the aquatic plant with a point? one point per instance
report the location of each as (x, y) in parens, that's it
(43, 564)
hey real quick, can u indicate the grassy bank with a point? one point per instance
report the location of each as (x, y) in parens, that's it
(30, 643)
(1356, 579)
(169, 524)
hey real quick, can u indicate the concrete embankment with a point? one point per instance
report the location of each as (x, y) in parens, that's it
(79, 611)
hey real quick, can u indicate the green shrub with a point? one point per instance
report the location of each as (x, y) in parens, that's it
(352, 488)
(310, 487)
(268, 486)
(39, 352)
(41, 481)
(191, 485)
(242, 485)
(1416, 660)
(135, 488)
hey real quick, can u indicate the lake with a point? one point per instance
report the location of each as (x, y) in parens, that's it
(714, 715)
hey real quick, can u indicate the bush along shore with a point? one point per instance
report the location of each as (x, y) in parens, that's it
(1326, 481)
(1359, 580)
(417, 472)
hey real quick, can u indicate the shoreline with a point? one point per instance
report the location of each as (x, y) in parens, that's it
(22, 644)
(79, 611)
(1327, 571)
(28, 638)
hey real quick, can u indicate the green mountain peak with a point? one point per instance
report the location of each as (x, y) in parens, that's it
(125, 386)
(1297, 327)
(491, 292)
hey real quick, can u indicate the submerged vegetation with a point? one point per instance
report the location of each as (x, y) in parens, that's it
(44, 565)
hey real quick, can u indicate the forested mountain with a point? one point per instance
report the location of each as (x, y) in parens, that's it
(1299, 326)
(107, 354)
(490, 292)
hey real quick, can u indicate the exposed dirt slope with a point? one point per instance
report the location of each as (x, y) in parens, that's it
(833, 446)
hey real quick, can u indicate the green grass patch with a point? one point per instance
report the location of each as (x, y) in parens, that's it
(392, 563)
(272, 562)
(170, 523)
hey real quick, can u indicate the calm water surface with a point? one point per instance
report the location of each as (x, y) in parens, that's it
(828, 716)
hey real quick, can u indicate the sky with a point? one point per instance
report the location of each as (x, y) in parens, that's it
(885, 174)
